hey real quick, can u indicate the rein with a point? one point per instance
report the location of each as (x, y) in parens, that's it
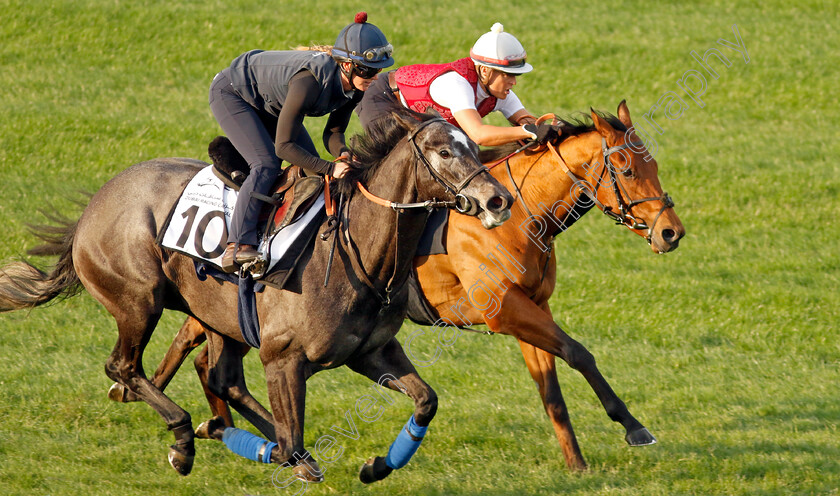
(428, 204)
(461, 203)
(509, 155)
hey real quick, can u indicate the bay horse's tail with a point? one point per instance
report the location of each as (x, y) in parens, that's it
(22, 285)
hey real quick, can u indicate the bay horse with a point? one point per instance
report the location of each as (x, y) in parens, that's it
(309, 328)
(603, 164)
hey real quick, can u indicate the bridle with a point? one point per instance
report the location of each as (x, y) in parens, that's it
(624, 216)
(462, 204)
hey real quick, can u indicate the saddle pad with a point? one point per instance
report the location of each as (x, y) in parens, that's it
(433, 240)
(419, 310)
(199, 223)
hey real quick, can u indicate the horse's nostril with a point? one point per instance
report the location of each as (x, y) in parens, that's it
(669, 235)
(496, 204)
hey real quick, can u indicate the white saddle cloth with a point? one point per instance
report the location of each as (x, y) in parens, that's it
(200, 222)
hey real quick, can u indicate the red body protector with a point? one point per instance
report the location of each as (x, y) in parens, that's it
(414, 81)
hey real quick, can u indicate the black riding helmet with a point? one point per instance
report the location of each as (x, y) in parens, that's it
(364, 45)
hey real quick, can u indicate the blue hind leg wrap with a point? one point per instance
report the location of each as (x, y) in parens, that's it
(247, 445)
(403, 448)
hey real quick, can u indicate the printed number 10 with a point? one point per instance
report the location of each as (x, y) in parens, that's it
(198, 244)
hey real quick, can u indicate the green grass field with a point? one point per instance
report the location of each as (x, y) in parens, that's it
(726, 349)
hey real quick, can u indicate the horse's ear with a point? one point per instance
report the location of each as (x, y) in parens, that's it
(404, 122)
(601, 125)
(624, 114)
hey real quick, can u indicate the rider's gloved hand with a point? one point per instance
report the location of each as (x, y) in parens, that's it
(541, 133)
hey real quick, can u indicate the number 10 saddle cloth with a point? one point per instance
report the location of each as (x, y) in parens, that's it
(199, 221)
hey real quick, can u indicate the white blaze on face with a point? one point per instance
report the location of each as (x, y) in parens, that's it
(460, 137)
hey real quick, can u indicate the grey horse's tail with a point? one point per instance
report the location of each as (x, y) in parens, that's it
(22, 285)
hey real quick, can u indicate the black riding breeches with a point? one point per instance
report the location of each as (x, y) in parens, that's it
(251, 131)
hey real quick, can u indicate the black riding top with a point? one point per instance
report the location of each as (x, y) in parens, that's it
(291, 85)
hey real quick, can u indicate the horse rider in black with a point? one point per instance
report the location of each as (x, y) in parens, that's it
(260, 102)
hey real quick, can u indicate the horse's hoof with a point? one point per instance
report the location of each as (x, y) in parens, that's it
(121, 394)
(211, 429)
(308, 471)
(181, 461)
(374, 469)
(640, 437)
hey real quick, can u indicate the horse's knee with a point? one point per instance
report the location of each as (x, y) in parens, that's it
(191, 333)
(235, 394)
(227, 392)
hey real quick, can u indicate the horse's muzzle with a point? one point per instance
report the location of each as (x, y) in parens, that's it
(496, 211)
(667, 239)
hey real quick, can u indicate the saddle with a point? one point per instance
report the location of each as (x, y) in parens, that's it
(291, 195)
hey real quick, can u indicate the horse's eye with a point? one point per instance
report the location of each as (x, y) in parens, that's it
(628, 172)
(444, 153)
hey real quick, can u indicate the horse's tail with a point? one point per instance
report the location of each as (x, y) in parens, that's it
(22, 285)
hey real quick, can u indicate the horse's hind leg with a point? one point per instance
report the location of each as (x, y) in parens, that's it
(134, 296)
(189, 337)
(125, 367)
(542, 368)
(224, 383)
(389, 366)
(522, 318)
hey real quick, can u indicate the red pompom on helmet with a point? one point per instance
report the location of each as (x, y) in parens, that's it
(360, 18)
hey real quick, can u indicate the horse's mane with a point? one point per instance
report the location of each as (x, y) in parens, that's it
(372, 148)
(572, 125)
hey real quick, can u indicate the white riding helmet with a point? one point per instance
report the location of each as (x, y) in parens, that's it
(500, 50)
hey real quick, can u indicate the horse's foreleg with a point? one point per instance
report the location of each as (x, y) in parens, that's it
(522, 318)
(541, 366)
(286, 379)
(189, 336)
(389, 366)
(218, 407)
